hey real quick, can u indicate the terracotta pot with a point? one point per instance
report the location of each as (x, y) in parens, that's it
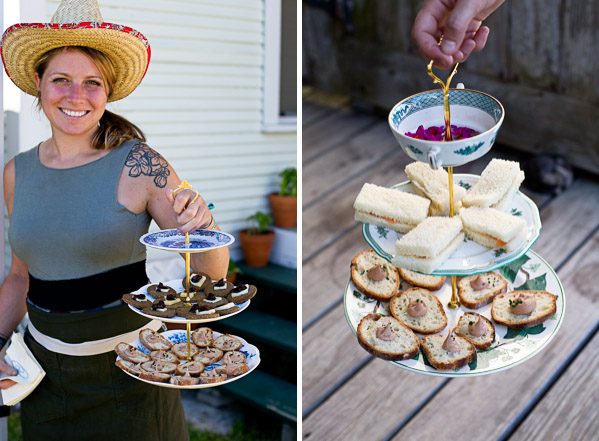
(284, 210)
(256, 247)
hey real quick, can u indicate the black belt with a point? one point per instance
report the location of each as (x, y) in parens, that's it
(87, 293)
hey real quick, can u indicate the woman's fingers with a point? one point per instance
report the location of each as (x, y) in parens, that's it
(5, 384)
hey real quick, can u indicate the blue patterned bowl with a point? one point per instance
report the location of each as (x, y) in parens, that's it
(469, 108)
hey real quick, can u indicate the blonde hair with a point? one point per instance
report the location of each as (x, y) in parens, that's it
(113, 129)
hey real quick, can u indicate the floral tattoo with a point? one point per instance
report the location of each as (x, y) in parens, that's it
(143, 160)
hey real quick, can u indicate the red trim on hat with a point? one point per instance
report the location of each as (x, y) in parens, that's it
(82, 25)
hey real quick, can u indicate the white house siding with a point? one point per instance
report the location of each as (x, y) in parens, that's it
(200, 104)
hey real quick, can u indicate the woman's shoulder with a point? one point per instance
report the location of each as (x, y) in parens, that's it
(143, 161)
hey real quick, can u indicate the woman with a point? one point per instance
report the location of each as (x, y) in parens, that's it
(78, 203)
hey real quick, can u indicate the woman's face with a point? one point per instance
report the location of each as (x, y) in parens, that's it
(73, 94)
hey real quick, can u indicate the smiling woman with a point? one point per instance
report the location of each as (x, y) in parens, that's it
(78, 203)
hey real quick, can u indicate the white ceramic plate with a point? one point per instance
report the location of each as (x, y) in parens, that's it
(177, 285)
(510, 348)
(200, 240)
(251, 352)
(470, 258)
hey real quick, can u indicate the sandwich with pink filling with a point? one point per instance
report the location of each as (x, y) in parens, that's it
(426, 247)
(497, 185)
(389, 208)
(492, 228)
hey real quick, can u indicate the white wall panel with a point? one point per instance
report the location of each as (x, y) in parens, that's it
(201, 102)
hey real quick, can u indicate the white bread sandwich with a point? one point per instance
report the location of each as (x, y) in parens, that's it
(492, 228)
(447, 352)
(386, 207)
(387, 338)
(523, 309)
(496, 187)
(476, 328)
(478, 290)
(434, 185)
(426, 247)
(432, 283)
(420, 310)
(373, 276)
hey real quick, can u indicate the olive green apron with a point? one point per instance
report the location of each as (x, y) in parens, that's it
(89, 398)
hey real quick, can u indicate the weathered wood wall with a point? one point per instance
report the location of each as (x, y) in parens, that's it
(541, 61)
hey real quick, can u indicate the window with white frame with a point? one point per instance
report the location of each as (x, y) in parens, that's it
(280, 66)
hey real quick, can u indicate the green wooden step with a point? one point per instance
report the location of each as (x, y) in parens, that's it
(272, 275)
(259, 327)
(266, 392)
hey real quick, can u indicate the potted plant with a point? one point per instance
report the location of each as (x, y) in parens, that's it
(257, 240)
(232, 271)
(284, 202)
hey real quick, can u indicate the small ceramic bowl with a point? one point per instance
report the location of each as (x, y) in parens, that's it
(470, 108)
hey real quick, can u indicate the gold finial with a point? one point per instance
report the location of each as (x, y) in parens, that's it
(183, 185)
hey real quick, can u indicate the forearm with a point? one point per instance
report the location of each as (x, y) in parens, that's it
(214, 263)
(13, 293)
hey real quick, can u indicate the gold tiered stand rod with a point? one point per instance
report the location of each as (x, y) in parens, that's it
(181, 186)
(454, 303)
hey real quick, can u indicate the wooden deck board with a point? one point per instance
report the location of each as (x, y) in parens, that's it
(350, 158)
(371, 404)
(330, 130)
(569, 410)
(499, 398)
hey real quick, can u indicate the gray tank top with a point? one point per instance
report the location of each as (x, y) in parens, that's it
(68, 223)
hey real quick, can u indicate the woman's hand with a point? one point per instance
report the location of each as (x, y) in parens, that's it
(190, 214)
(459, 21)
(8, 370)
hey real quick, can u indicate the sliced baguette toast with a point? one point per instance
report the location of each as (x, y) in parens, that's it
(362, 267)
(227, 342)
(202, 337)
(432, 283)
(403, 346)
(433, 321)
(153, 340)
(479, 341)
(473, 298)
(501, 310)
(130, 353)
(439, 358)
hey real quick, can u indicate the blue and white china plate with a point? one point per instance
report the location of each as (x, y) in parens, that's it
(200, 240)
(470, 258)
(251, 352)
(177, 285)
(510, 348)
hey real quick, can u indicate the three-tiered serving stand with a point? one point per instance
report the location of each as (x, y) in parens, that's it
(522, 267)
(197, 241)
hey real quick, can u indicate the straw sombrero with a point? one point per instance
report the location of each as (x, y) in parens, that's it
(76, 23)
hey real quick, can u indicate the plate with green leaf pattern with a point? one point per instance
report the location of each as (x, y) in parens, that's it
(470, 258)
(510, 348)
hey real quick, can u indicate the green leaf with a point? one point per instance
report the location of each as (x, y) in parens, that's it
(537, 284)
(534, 268)
(472, 365)
(382, 231)
(536, 330)
(513, 333)
(362, 297)
(510, 271)
(500, 251)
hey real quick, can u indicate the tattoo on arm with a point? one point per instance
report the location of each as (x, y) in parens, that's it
(143, 160)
